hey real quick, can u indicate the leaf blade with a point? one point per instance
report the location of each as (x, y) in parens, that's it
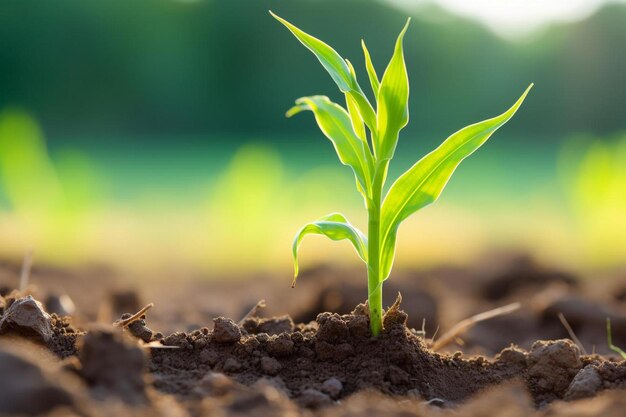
(371, 71)
(336, 124)
(393, 101)
(334, 226)
(423, 182)
(353, 110)
(337, 68)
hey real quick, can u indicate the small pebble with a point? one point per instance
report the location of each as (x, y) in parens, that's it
(333, 387)
(312, 398)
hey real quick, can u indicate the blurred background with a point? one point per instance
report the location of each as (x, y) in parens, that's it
(150, 135)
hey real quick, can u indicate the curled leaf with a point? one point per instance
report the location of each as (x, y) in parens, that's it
(334, 226)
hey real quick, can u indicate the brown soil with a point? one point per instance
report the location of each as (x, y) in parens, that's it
(330, 366)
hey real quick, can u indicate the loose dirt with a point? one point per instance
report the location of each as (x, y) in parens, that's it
(329, 366)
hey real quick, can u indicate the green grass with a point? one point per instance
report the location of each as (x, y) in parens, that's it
(609, 337)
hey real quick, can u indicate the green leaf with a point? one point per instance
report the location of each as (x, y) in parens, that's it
(393, 102)
(338, 70)
(353, 111)
(334, 226)
(355, 118)
(423, 182)
(371, 71)
(336, 125)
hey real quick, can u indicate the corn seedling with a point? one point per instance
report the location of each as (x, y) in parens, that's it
(365, 140)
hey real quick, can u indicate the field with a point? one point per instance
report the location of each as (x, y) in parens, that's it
(309, 352)
(165, 166)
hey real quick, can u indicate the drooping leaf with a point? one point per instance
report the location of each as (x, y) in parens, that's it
(393, 101)
(338, 70)
(336, 125)
(371, 71)
(423, 182)
(334, 226)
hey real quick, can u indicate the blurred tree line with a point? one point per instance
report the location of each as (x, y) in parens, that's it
(164, 67)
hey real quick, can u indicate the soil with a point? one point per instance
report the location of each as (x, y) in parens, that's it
(318, 363)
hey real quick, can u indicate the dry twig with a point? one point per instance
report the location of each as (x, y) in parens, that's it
(27, 264)
(155, 344)
(571, 333)
(134, 317)
(464, 325)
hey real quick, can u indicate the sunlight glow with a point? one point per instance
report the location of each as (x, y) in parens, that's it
(514, 18)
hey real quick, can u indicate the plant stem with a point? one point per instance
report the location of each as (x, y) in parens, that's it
(374, 282)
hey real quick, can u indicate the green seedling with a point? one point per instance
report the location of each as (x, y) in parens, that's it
(609, 337)
(365, 140)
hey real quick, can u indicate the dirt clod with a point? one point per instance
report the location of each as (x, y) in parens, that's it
(513, 356)
(29, 387)
(585, 384)
(226, 331)
(138, 328)
(280, 345)
(113, 365)
(551, 367)
(332, 328)
(27, 316)
(272, 326)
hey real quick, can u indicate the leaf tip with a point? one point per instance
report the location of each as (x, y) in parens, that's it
(296, 109)
(280, 19)
(406, 26)
(402, 33)
(530, 86)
